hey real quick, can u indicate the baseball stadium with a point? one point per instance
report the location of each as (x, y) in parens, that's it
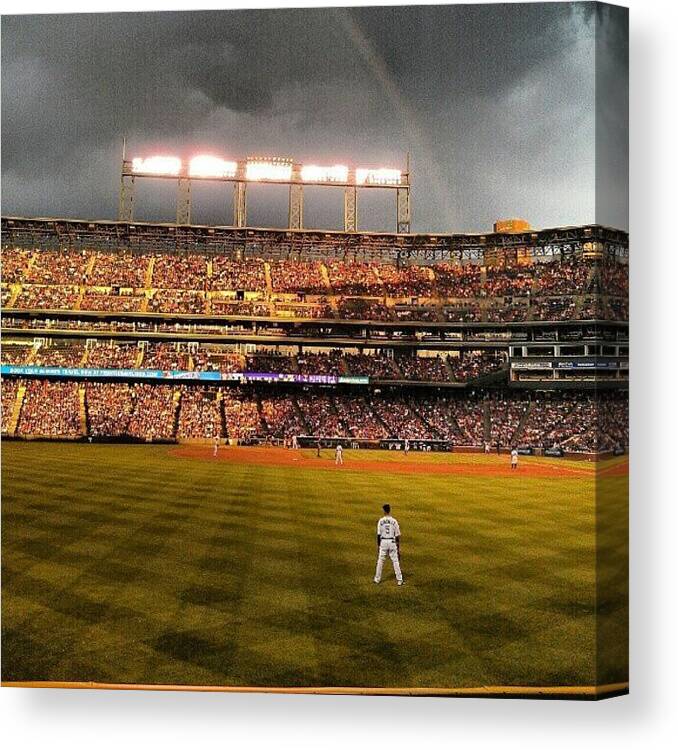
(173, 395)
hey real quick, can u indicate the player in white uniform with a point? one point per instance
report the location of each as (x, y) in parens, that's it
(216, 447)
(388, 543)
(514, 458)
(339, 455)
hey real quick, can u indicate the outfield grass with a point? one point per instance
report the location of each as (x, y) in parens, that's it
(129, 564)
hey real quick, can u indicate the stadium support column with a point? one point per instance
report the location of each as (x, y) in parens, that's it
(296, 210)
(350, 209)
(403, 210)
(240, 204)
(126, 205)
(184, 201)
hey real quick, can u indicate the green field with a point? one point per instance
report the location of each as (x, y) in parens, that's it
(130, 564)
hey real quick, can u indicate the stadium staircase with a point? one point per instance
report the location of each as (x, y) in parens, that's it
(269, 282)
(260, 414)
(83, 359)
(78, 302)
(375, 414)
(15, 291)
(139, 359)
(31, 355)
(300, 415)
(521, 424)
(326, 278)
(16, 410)
(147, 298)
(90, 265)
(31, 262)
(82, 402)
(176, 399)
(335, 411)
(450, 373)
(148, 277)
(222, 416)
(487, 426)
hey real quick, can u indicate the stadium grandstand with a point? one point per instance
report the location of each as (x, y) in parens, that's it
(168, 332)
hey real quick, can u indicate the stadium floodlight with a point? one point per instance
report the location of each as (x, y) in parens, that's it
(211, 166)
(314, 173)
(162, 165)
(382, 176)
(268, 169)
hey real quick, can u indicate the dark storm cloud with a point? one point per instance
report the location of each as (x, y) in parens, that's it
(495, 104)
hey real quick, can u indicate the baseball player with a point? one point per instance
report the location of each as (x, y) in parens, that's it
(514, 458)
(339, 455)
(215, 447)
(388, 543)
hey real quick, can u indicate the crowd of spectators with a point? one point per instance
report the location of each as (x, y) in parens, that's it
(305, 310)
(563, 276)
(423, 368)
(358, 415)
(470, 365)
(180, 271)
(60, 355)
(14, 264)
(281, 416)
(270, 362)
(247, 274)
(508, 281)
(154, 412)
(320, 415)
(572, 421)
(359, 308)
(249, 308)
(119, 268)
(160, 356)
(47, 298)
(373, 365)
(297, 277)
(241, 414)
(15, 355)
(463, 313)
(553, 308)
(58, 267)
(399, 417)
(111, 355)
(177, 301)
(452, 280)
(9, 388)
(199, 413)
(614, 278)
(109, 408)
(505, 416)
(216, 359)
(503, 313)
(406, 281)
(113, 302)
(407, 313)
(354, 278)
(50, 409)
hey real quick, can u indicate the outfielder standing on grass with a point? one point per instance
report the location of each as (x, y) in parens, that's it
(388, 543)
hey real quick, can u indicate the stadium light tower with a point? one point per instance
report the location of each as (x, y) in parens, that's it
(265, 170)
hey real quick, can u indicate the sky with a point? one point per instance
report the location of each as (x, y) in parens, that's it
(505, 110)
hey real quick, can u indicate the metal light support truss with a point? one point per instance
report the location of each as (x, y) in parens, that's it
(184, 201)
(240, 204)
(296, 194)
(295, 217)
(126, 205)
(350, 209)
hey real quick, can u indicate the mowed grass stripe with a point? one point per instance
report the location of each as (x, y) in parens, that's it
(217, 573)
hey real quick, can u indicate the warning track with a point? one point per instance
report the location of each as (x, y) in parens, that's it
(486, 466)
